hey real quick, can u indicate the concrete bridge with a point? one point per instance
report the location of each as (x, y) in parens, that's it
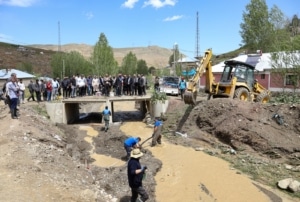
(67, 111)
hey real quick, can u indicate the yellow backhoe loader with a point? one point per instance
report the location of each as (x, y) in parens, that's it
(237, 81)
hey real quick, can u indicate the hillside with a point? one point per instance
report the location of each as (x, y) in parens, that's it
(154, 55)
(37, 58)
(33, 60)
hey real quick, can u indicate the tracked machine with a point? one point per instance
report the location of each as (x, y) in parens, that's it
(237, 82)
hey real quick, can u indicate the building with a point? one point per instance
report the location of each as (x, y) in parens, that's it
(5, 74)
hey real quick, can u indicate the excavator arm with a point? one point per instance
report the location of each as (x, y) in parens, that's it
(190, 94)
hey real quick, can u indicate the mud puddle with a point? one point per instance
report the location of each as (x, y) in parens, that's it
(100, 160)
(186, 174)
(189, 175)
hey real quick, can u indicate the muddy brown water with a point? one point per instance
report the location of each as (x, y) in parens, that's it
(186, 174)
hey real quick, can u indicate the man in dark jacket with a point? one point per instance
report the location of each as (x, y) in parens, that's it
(31, 90)
(65, 84)
(135, 174)
(37, 88)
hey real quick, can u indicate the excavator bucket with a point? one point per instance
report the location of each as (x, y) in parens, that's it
(190, 94)
(190, 97)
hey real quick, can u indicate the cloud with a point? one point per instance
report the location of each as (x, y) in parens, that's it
(19, 3)
(89, 15)
(160, 3)
(129, 3)
(173, 18)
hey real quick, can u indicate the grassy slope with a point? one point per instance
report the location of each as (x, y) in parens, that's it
(155, 56)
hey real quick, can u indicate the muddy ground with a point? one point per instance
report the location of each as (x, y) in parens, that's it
(43, 161)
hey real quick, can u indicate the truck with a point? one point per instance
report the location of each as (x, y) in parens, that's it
(237, 82)
(169, 85)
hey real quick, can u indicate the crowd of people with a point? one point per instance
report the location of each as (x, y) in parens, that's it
(79, 85)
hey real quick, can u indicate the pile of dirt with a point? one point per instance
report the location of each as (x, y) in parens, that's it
(268, 129)
(44, 161)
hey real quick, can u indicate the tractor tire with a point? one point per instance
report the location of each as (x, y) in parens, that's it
(242, 94)
(263, 97)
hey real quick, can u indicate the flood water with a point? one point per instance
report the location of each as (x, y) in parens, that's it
(189, 175)
(186, 174)
(100, 160)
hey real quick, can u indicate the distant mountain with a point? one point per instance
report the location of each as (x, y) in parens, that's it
(155, 56)
(37, 58)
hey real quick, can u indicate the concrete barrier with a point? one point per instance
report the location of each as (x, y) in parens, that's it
(55, 111)
(63, 112)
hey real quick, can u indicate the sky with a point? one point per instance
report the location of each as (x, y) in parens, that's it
(131, 23)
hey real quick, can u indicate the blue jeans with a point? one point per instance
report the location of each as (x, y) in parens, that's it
(128, 150)
(73, 92)
(13, 103)
(49, 95)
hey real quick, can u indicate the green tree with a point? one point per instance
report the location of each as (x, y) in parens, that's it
(103, 57)
(151, 70)
(75, 63)
(142, 67)
(295, 25)
(256, 30)
(57, 64)
(296, 43)
(129, 64)
(67, 64)
(279, 33)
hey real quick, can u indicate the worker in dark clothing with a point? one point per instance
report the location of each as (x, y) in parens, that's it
(31, 91)
(130, 144)
(106, 116)
(135, 174)
(157, 132)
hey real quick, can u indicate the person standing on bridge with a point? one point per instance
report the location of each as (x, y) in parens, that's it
(106, 116)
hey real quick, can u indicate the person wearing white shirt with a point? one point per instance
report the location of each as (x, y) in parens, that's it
(95, 84)
(55, 86)
(21, 91)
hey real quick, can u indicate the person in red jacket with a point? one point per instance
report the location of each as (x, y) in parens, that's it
(49, 90)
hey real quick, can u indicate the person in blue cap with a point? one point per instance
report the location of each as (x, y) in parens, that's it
(130, 144)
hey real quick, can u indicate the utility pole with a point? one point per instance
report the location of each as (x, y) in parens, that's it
(63, 76)
(59, 45)
(197, 53)
(174, 54)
